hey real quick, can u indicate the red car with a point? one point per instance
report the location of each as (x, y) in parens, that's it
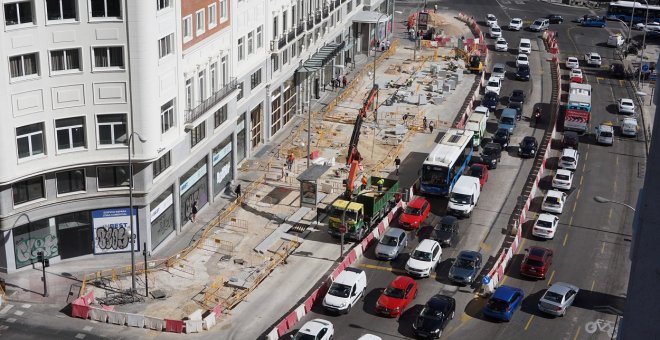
(396, 297)
(479, 171)
(576, 76)
(537, 262)
(415, 213)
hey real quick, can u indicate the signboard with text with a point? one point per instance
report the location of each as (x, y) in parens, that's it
(112, 230)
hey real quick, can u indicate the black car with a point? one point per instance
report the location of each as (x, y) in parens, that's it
(435, 316)
(490, 100)
(491, 154)
(446, 232)
(502, 137)
(528, 147)
(466, 267)
(517, 96)
(617, 71)
(571, 140)
(522, 73)
(555, 19)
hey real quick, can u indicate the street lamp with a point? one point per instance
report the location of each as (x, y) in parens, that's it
(130, 204)
(641, 56)
(601, 199)
(377, 30)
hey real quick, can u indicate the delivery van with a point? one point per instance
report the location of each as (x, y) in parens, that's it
(464, 196)
(345, 291)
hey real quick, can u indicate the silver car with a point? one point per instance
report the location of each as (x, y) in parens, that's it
(391, 244)
(558, 298)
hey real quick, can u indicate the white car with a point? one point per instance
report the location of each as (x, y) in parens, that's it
(554, 201)
(626, 106)
(629, 127)
(491, 20)
(545, 226)
(652, 27)
(495, 32)
(569, 159)
(516, 24)
(494, 84)
(572, 62)
(501, 45)
(563, 179)
(484, 110)
(593, 59)
(317, 329)
(424, 258)
(522, 59)
(499, 71)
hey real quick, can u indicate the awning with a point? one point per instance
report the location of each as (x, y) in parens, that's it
(321, 58)
(370, 17)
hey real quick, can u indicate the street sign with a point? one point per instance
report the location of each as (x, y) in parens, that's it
(645, 68)
(486, 280)
(652, 76)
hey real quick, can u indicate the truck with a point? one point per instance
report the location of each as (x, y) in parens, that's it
(365, 207)
(578, 109)
(477, 124)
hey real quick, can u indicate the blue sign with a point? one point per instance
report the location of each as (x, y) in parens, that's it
(486, 280)
(645, 67)
(652, 76)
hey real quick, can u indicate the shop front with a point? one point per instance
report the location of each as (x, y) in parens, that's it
(162, 217)
(193, 188)
(222, 166)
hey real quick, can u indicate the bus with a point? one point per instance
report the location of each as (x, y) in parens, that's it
(445, 164)
(623, 10)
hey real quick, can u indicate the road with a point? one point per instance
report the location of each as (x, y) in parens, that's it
(592, 243)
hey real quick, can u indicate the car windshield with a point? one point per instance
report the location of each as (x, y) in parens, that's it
(544, 224)
(563, 177)
(460, 198)
(507, 120)
(412, 211)
(338, 289)
(552, 200)
(500, 134)
(537, 23)
(497, 305)
(626, 104)
(394, 292)
(534, 263)
(389, 241)
(489, 151)
(476, 171)
(491, 96)
(464, 263)
(421, 256)
(493, 84)
(498, 70)
(303, 336)
(525, 44)
(606, 134)
(567, 159)
(445, 227)
(552, 296)
(528, 143)
(431, 313)
(515, 21)
(522, 58)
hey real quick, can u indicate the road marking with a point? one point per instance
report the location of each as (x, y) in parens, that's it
(581, 178)
(485, 247)
(616, 159)
(19, 312)
(6, 309)
(26, 305)
(88, 328)
(565, 239)
(552, 275)
(593, 283)
(609, 216)
(11, 320)
(577, 196)
(622, 82)
(602, 248)
(574, 206)
(586, 156)
(577, 333)
(614, 187)
(80, 336)
(570, 222)
(529, 321)
(584, 166)
(598, 79)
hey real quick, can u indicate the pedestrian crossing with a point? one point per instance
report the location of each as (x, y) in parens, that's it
(511, 2)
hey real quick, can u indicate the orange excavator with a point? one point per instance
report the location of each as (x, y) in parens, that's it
(354, 158)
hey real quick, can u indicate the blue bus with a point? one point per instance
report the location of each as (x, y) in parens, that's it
(446, 163)
(630, 10)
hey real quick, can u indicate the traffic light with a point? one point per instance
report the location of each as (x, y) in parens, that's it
(40, 256)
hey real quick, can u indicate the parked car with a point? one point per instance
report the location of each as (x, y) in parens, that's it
(315, 329)
(576, 76)
(555, 19)
(545, 226)
(504, 301)
(345, 291)
(491, 20)
(572, 62)
(491, 154)
(391, 244)
(502, 137)
(424, 259)
(593, 59)
(501, 45)
(490, 100)
(571, 140)
(415, 213)
(396, 297)
(466, 267)
(515, 24)
(479, 171)
(626, 106)
(522, 59)
(446, 232)
(528, 147)
(558, 298)
(494, 84)
(435, 316)
(554, 201)
(499, 71)
(495, 31)
(536, 262)
(517, 96)
(522, 72)
(563, 179)
(569, 159)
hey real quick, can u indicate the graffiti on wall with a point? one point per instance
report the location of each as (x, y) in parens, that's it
(27, 249)
(114, 236)
(112, 230)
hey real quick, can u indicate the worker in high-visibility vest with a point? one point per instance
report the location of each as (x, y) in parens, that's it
(364, 182)
(380, 184)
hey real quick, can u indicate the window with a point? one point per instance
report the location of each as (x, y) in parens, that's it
(241, 52)
(293, 51)
(189, 94)
(284, 22)
(197, 134)
(109, 57)
(187, 28)
(213, 9)
(225, 72)
(166, 45)
(199, 22)
(161, 164)
(28, 190)
(112, 129)
(106, 8)
(112, 176)
(220, 116)
(255, 79)
(239, 96)
(70, 133)
(61, 10)
(255, 120)
(167, 116)
(213, 78)
(18, 13)
(65, 60)
(275, 27)
(30, 140)
(24, 65)
(223, 10)
(70, 181)
(163, 4)
(260, 36)
(201, 85)
(250, 43)
(274, 62)
(285, 57)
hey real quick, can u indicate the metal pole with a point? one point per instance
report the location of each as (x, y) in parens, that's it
(146, 279)
(630, 27)
(341, 250)
(42, 255)
(130, 212)
(309, 131)
(641, 57)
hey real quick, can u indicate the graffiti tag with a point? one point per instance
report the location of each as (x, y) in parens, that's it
(27, 249)
(113, 236)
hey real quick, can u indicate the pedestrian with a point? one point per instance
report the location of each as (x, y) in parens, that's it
(431, 126)
(397, 163)
(237, 191)
(289, 161)
(387, 44)
(556, 35)
(193, 215)
(332, 83)
(338, 82)
(435, 8)
(364, 182)
(425, 122)
(344, 80)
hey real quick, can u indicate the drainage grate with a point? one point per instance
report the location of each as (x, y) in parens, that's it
(299, 228)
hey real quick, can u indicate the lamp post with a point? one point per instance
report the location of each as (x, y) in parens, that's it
(309, 130)
(130, 205)
(601, 199)
(641, 56)
(376, 30)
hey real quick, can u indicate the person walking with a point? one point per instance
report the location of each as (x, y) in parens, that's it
(193, 215)
(425, 123)
(344, 81)
(332, 83)
(237, 191)
(289, 161)
(397, 163)
(431, 126)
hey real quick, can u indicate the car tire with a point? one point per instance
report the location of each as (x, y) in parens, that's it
(348, 310)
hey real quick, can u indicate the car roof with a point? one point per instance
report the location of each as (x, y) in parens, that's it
(626, 100)
(468, 255)
(562, 172)
(449, 219)
(630, 120)
(505, 292)
(401, 282)
(313, 327)
(348, 277)
(606, 127)
(538, 252)
(493, 146)
(547, 217)
(523, 55)
(572, 58)
(426, 245)
(562, 287)
(395, 232)
(440, 301)
(417, 202)
(529, 138)
(569, 152)
(525, 40)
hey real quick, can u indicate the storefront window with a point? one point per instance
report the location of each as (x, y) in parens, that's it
(193, 187)
(112, 230)
(162, 217)
(32, 238)
(240, 138)
(222, 166)
(74, 231)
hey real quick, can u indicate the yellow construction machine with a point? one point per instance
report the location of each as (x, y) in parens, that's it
(472, 60)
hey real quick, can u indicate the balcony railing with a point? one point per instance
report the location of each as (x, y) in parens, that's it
(199, 110)
(301, 28)
(317, 17)
(310, 22)
(291, 36)
(326, 12)
(282, 42)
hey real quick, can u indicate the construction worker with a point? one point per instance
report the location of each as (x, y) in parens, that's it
(380, 184)
(397, 163)
(364, 182)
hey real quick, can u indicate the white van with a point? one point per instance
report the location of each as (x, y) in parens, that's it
(539, 25)
(615, 40)
(605, 134)
(525, 46)
(477, 124)
(629, 127)
(345, 291)
(464, 196)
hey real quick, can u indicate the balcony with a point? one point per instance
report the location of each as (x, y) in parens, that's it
(208, 103)
(301, 28)
(282, 42)
(291, 36)
(317, 17)
(326, 11)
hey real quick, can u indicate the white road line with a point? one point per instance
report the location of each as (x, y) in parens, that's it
(6, 309)
(11, 320)
(88, 328)
(80, 336)
(19, 312)
(26, 305)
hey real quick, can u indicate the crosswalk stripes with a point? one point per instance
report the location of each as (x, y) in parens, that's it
(6, 309)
